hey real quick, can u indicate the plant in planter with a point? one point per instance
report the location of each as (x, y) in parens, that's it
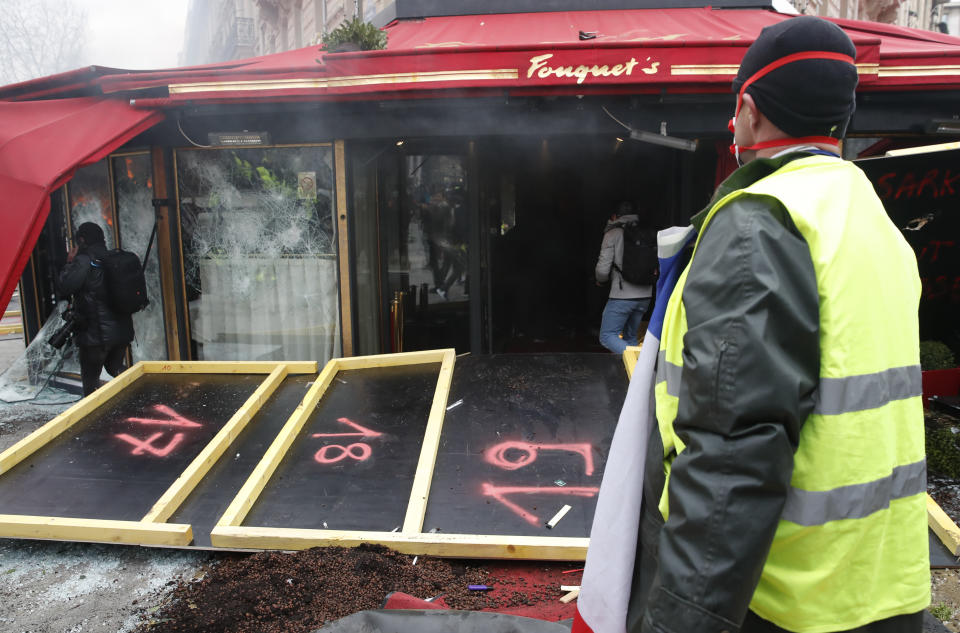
(935, 355)
(355, 35)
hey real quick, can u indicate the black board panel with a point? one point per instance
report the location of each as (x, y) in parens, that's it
(531, 436)
(356, 475)
(120, 459)
(210, 499)
(940, 556)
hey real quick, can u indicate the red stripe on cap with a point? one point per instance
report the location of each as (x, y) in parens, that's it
(783, 61)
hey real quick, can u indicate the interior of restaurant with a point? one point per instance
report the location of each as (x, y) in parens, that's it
(490, 246)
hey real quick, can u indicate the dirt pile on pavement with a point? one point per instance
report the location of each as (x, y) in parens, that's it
(273, 592)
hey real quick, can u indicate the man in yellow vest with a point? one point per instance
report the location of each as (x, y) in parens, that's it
(785, 481)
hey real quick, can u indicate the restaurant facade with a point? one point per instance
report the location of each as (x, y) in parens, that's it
(449, 191)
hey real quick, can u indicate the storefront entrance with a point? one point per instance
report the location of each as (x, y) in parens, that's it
(490, 246)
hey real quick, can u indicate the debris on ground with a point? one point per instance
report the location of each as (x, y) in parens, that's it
(297, 592)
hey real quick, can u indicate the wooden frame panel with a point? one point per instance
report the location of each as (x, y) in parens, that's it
(229, 531)
(152, 529)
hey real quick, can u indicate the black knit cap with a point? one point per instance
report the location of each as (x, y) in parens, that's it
(91, 233)
(813, 97)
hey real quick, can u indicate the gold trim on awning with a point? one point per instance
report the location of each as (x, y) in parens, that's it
(920, 71)
(342, 82)
(731, 69)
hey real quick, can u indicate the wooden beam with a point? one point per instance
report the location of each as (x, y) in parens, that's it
(95, 530)
(167, 222)
(343, 248)
(394, 360)
(241, 504)
(226, 367)
(39, 438)
(213, 451)
(943, 526)
(420, 490)
(431, 544)
(630, 357)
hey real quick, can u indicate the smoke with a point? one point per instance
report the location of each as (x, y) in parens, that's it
(45, 37)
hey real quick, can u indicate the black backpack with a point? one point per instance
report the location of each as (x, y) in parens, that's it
(125, 281)
(640, 265)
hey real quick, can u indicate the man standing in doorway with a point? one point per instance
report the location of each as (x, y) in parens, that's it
(102, 334)
(627, 302)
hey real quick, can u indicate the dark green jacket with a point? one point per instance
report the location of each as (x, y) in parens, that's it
(753, 284)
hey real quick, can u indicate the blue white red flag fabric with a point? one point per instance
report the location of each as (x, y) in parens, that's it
(608, 573)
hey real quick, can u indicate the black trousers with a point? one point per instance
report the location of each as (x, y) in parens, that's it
(94, 358)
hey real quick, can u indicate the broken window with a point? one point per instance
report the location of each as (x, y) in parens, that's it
(89, 199)
(259, 251)
(133, 179)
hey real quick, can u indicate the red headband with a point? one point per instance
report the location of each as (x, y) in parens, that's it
(795, 57)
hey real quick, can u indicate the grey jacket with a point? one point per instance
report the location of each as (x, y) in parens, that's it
(751, 366)
(611, 252)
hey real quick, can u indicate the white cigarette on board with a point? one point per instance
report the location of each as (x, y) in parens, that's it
(559, 515)
(455, 404)
(570, 596)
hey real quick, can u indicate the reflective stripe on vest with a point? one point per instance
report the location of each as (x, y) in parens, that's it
(851, 546)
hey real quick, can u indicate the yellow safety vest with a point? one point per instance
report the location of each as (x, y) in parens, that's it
(851, 545)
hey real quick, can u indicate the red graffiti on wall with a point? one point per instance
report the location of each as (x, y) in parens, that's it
(500, 494)
(358, 451)
(498, 455)
(146, 446)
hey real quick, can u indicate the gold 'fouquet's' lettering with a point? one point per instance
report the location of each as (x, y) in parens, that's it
(539, 66)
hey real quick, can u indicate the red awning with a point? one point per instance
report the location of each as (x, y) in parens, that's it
(639, 50)
(42, 143)
(575, 52)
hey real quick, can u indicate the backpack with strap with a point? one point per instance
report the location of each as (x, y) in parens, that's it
(640, 264)
(125, 281)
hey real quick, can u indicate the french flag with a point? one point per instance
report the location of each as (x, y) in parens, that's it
(608, 572)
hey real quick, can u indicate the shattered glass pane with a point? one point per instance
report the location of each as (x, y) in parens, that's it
(37, 373)
(135, 218)
(90, 201)
(259, 246)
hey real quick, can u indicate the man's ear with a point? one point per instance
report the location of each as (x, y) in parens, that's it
(754, 118)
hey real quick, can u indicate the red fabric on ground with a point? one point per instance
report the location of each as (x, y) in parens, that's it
(400, 600)
(524, 577)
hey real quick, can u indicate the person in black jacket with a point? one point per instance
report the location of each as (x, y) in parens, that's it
(102, 335)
